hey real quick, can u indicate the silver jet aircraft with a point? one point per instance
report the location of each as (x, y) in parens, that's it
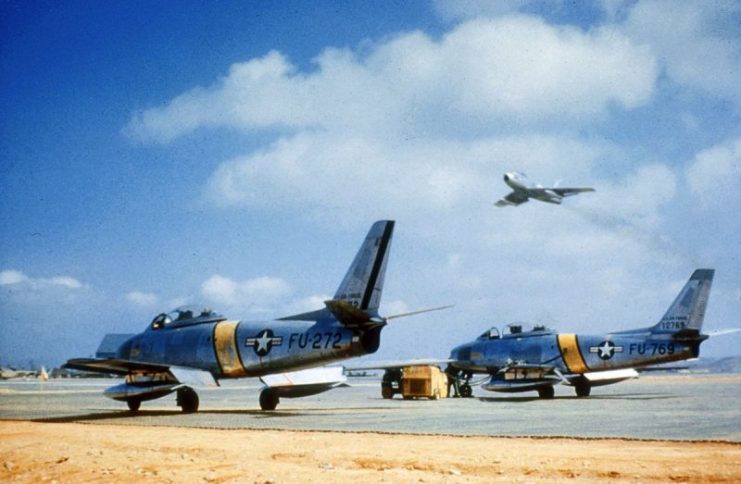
(194, 346)
(519, 360)
(523, 190)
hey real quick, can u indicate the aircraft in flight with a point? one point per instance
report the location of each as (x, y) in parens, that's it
(523, 190)
(536, 360)
(194, 346)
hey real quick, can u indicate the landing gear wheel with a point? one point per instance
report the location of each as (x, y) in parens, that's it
(268, 399)
(387, 392)
(133, 404)
(466, 390)
(546, 392)
(187, 400)
(583, 389)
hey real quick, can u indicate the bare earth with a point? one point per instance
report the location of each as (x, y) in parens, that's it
(73, 452)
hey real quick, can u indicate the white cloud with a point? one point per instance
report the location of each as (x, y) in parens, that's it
(714, 176)
(257, 295)
(9, 277)
(14, 277)
(20, 288)
(697, 42)
(142, 299)
(517, 69)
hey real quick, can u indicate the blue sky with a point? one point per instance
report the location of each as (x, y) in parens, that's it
(158, 153)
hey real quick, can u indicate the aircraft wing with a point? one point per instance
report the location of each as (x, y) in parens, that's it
(114, 366)
(392, 365)
(189, 376)
(512, 199)
(566, 192)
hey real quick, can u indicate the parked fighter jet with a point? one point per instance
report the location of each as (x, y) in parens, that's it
(196, 346)
(523, 191)
(518, 360)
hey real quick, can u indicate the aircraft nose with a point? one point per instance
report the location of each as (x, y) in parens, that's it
(461, 353)
(506, 177)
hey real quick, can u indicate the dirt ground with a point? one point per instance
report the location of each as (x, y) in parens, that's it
(73, 452)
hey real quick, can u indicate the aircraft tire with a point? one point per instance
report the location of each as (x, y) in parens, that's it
(583, 389)
(187, 400)
(268, 399)
(546, 392)
(133, 404)
(387, 392)
(466, 390)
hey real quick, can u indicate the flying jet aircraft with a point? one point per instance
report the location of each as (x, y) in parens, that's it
(196, 346)
(536, 360)
(523, 190)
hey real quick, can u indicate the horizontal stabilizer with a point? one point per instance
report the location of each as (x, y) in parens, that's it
(303, 383)
(349, 315)
(719, 332)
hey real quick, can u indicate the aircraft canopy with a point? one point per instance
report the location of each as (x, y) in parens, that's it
(515, 330)
(186, 315)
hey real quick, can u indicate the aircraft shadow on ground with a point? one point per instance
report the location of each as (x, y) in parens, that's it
(624, 396)
(119, 415)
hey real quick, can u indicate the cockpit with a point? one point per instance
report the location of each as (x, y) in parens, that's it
(515, 330)
(185, 315)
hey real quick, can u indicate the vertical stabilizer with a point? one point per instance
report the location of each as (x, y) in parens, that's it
(687, 312)
(363, 284)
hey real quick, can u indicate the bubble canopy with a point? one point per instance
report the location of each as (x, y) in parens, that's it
(186, 315)
(515, 329)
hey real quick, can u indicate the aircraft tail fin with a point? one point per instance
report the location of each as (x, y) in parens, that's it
(362, 285)
(687, 312)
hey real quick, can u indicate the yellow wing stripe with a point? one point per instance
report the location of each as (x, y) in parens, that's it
(225, 346)
(571, 354)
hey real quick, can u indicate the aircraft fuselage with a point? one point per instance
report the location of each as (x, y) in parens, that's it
(572, 353)
(233, 349)
(520, 185)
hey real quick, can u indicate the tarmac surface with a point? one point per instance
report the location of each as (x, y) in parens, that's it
(672, 407)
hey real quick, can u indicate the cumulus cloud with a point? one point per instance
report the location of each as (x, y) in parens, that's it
(516, 68)
(714, 176)
(21, 280)
(257, 295)
(9, 277)
(18, 287)
(142, 299)
(696, 42)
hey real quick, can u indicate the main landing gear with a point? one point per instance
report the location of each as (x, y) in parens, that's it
(546, 392)
(583, 389)
(187, 400)
(269, 399)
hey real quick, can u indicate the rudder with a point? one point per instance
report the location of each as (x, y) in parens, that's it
(687, 312)
(362, 285)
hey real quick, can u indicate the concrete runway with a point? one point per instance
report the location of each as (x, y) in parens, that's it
(676, 407)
